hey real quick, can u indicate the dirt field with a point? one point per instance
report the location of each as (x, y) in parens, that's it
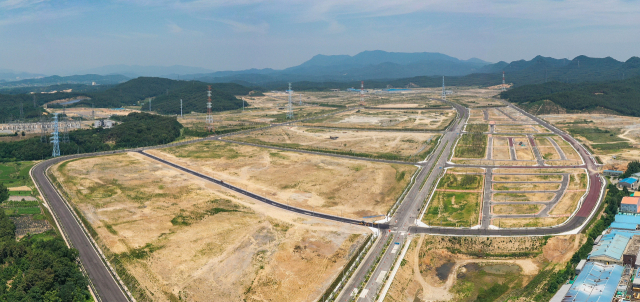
(401, 144)
(336, 186)
(432, 273)
(514, 209)
(528, 222)
(533, 177)
(99, 113)
(526, 186)
(388, 119)
(183, 238)
(510, 197)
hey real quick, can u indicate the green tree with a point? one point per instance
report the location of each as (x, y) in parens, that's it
(4, 193)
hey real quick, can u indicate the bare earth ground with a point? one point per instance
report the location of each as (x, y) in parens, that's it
(628, 126)
(337, 186)
(511, 197)
(514, 209)
(388, 119)
(183, 238)
(417, 279)
(100, 113)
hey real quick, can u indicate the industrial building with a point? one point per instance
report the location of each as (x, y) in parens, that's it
(612, 173)
(104, 124)
(630, 204)
(596, 283)
(629, 183)
(610, 249)
(626, 222)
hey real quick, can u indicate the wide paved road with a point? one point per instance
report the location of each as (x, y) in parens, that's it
(104, 284)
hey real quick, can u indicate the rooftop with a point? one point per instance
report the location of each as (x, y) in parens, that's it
(635, 219)
(596, 282)
(630, 200)
(611, 248)
(633, 246)
(629, 180)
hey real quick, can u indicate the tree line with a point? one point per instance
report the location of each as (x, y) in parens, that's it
(133, 130)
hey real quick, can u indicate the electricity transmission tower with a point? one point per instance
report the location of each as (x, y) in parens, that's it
(55, 140)
(444, 93)
(290, 106)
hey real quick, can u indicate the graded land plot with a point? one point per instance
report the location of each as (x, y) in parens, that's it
(475, 101)
(516, 209)
(523, 148)
(460, 182)
(613, 138)
(578, 180)
(528, 222)
(521, 129)
(432, 271)
(477, 128)
(476, 116)
(453, 209)
(337, 186)
(518, 197)
(515, 114)
(413, 120)
(568, 150)
(173, 236)
(471, 145)
(568, 203)
(546, 149)
(378, 144)
(500, 148)
(497, 116)
(526, 186)
(98, 113)
(527, 178)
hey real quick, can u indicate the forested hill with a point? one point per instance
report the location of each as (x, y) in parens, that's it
(622, 96)
(194, 98)
(135, 91)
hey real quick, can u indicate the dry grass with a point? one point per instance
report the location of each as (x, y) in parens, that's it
(331, 185)
(388, 119)
(528, 222)
(567, 203)
(358, 141)
(526, 186)
(504, 177)
(514, 209)
(510, 197)
(184, 238)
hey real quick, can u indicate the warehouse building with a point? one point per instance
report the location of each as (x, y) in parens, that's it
(630, 204)
(596, 283)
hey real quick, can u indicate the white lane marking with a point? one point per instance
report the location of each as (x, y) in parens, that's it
(364, 293)
(381, 276)
(395, 248)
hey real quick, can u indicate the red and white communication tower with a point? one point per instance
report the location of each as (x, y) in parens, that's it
(361, 93)
(504, 86)
(209, 116)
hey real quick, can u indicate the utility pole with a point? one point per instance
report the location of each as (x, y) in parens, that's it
(180, 108)
(444, 94)
(209, 117)
(150, 105)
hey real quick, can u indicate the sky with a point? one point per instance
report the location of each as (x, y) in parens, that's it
(68, 36)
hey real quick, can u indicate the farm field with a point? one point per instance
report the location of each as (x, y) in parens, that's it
(379, 144)
(414, 120)
(178, 237)
(337, 186)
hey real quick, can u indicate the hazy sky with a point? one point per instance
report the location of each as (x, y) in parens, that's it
(65, 36)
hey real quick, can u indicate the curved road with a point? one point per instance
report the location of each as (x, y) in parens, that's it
(108, 289)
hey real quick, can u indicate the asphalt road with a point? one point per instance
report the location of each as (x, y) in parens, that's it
(104, 284)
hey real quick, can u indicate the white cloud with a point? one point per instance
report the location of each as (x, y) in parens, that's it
(18, 4)
(261, 28)
(174, 28)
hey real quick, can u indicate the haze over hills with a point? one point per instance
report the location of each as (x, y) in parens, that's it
(7, 75)
(134, 71)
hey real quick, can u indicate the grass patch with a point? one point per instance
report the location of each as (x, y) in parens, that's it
(453, 209)
(460, 182)
(612, 146)
(215, 207)
(471, 145)
(595, 134)
(477, 127)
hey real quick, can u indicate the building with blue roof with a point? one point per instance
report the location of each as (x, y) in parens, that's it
(610, 249)
(629, 182)
(596, 283)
